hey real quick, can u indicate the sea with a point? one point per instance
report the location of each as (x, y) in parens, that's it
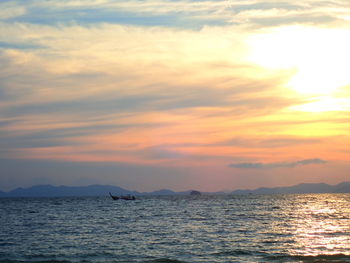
(173, 229)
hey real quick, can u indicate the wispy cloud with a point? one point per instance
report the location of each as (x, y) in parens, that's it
(181, 14)
(269, 142)
(277, 164)
(167, 83)
(10, 9)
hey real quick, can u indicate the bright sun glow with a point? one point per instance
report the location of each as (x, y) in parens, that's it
(322, 104)
(319, 58)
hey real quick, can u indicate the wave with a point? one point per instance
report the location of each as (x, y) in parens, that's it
(321, 258)
(159, 260)
(165, 260)
(30, 261)
(236, 252)
(308, 258)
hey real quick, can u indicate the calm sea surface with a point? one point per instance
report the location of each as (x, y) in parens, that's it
(269, 228)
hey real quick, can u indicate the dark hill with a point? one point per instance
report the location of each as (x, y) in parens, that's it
(91, 190)
(49, 190)
(300, 189)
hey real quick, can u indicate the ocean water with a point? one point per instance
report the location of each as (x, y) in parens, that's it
(252, 228)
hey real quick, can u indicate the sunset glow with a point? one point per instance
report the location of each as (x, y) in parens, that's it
(181, 94)
(317, 57)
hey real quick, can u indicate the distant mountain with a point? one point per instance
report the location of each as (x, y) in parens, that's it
(103, 190)
(300, 189)
(342, 187)
(91, 190)
(49, 190)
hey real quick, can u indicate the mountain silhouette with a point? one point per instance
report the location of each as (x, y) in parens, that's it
(103, 190)
(51, 191)
(300, 189)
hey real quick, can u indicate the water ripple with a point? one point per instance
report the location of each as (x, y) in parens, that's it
(267, 228)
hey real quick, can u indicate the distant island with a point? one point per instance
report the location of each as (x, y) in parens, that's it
(194, 192)
(103, 190)
(91, 190)
(300, 189)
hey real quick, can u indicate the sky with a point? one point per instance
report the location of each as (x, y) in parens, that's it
(145, 95)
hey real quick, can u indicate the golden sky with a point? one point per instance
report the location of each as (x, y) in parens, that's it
(209, 95)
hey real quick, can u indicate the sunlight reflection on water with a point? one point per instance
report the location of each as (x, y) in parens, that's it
(323, 226)
(218, 229)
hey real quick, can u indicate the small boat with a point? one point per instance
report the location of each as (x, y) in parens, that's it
(127, 197)
(123, 197)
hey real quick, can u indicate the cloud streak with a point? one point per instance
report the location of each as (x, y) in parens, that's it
(277, 164)
(168, 84)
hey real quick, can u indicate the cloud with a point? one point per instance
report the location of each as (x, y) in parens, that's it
(275, 142)
(130, 69)
(158, 83)
(277, 164)
(159, 153)
(11, 9)
(178, 14)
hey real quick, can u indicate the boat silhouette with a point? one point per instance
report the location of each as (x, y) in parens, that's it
(123, 197)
